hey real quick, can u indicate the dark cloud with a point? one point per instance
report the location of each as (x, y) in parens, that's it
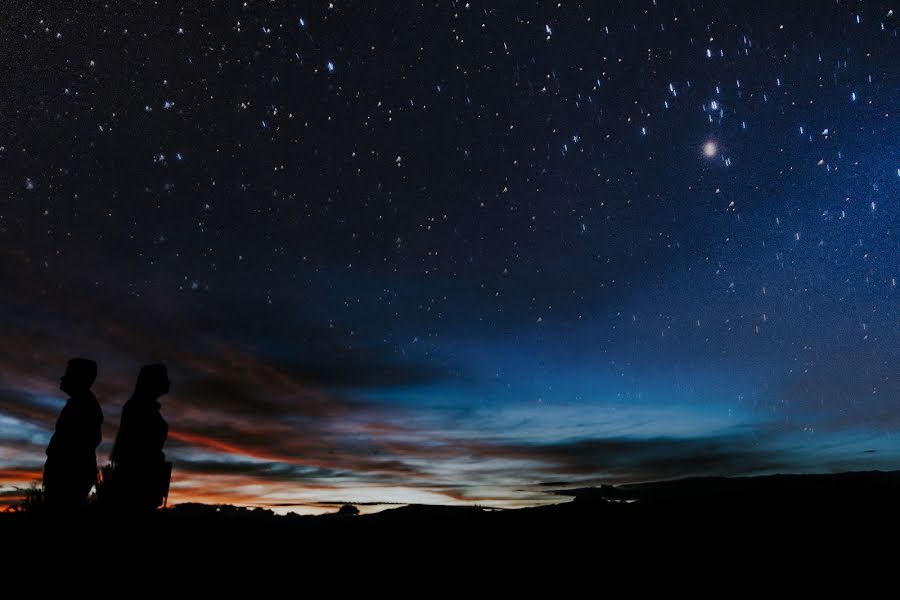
(359, 368)
(246, 384)
(48, 321)
(19, 475)
(228, 396)
(21, 405)
(8, 497)
(343, 502)
(326, 452)
(635, 459)
(265, 471)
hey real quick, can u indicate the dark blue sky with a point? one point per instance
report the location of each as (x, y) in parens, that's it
(457, 252)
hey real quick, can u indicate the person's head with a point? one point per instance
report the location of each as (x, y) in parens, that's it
(152, 381)
(79, 376)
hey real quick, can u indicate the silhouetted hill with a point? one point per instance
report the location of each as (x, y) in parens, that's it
(426, 512)
(691, 523)
(871, 488)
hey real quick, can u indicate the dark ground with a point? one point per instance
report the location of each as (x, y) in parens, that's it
(803, 528)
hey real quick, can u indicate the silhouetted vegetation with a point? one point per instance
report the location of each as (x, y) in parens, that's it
(31, 502)
(348, 510)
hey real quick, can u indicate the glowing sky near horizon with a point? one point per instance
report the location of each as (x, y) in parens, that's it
(456, 252)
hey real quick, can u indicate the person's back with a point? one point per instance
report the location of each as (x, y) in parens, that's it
(139, 468)
(71, 467)
(142, 433)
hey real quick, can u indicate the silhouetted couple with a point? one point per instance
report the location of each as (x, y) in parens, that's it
(139, 475)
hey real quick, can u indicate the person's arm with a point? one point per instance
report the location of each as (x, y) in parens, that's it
(56, 438)
(62, 434)
(98, 430)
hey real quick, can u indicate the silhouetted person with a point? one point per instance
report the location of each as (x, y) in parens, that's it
(141, 475)
(71, 467)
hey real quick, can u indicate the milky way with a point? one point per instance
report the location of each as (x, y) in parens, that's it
(456, 252)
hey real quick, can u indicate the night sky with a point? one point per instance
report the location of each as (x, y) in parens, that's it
(455, 252)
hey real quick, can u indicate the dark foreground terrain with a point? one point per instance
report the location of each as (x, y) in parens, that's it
(812, 527)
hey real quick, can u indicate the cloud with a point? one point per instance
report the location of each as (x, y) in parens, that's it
(643, 459)
(274, 405)
(256, 385)
(19, 404)
(261, 471)
(227, 395)
(19, 475)
(361, 368)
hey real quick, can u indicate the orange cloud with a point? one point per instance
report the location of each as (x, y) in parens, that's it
(19, 477)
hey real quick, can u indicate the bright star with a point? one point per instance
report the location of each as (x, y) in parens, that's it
(710, 149)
